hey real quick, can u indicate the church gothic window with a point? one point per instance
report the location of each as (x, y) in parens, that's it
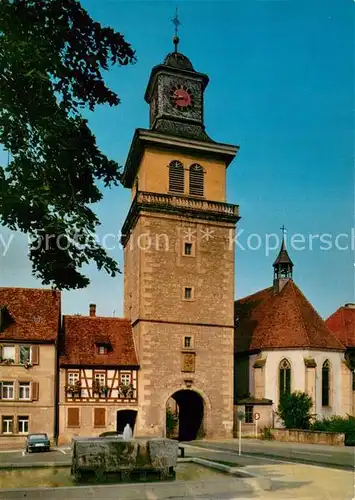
(196, 180)
(325, 383)
(176, 177)
(285, 377)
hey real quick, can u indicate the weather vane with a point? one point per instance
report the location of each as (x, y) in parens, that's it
(176, 22)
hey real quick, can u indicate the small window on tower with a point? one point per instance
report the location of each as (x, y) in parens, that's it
(188, 293)
(187, 342)
(187, 248)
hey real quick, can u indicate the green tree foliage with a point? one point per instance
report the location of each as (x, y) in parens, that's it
(52, 55)
(295, 410)
(171, 422)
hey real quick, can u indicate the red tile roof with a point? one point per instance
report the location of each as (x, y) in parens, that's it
(83, 333)
(284, 320)
(342, 324)
(30, 314)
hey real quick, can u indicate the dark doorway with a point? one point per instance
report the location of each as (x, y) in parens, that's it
(190, 413)
(125, 417)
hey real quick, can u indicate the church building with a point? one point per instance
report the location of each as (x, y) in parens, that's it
(282, 345)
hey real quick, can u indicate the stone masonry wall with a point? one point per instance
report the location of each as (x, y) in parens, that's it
(161, 272)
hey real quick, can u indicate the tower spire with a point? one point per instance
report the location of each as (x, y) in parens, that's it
(176, 22)
(283, 265)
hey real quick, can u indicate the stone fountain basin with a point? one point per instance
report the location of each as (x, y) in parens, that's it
(113, 455)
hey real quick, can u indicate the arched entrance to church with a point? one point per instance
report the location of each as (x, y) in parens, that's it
(124, 417)
(185, 415)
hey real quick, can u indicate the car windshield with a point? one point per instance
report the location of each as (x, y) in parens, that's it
(37, 436)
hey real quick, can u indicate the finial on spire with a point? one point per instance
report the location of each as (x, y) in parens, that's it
(176, 22)
(284, 230)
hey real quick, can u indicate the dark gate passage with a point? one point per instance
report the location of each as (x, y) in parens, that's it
(190, 414)
(125, 417)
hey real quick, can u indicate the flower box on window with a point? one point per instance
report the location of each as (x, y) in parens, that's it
(73, 389)
(125, 390)
(7, 361)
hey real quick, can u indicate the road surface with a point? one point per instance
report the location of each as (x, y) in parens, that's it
(335, 456)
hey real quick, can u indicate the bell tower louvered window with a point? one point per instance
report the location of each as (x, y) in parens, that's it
(196, 180)
(176, 177)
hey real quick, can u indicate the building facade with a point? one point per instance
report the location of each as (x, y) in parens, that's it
(342, 324)
(179, 259)
(282, 345)
(98, 370)
(29, 325)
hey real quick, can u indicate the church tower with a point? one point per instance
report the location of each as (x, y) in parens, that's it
(178, 241)
(283, 267)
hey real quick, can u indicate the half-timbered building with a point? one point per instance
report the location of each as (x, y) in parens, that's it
(29, 326)
(98, 372)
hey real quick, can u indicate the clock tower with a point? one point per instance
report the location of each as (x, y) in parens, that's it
(175, 95)
(178, 240)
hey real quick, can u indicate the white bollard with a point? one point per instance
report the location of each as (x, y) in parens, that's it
(240, 437)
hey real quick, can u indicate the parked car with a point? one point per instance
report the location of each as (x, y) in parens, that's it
(37, 442)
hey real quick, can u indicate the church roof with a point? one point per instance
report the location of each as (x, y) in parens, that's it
(283, 257)
(29, 314)
(283, 320)
(342, 324)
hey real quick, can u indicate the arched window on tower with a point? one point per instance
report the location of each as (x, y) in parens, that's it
(196, 180)
(284, 377)
(326, 383)
(176, 176)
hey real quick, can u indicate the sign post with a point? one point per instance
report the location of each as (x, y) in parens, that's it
(256, 418)
(241, 418)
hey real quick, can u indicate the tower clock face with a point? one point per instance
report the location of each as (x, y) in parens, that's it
(181, 98)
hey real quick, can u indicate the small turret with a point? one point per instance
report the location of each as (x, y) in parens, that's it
(283, 267)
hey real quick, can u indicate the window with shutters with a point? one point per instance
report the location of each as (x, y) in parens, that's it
(73, 417)
(285, 377)
(326, 383)
(25, 354)
(176, 177)
(196, 180)
(99, 417)
(24, 390)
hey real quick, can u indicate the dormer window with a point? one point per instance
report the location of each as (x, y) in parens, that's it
(102, 349)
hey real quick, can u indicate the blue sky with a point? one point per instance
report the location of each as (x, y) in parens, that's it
(282, 87)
